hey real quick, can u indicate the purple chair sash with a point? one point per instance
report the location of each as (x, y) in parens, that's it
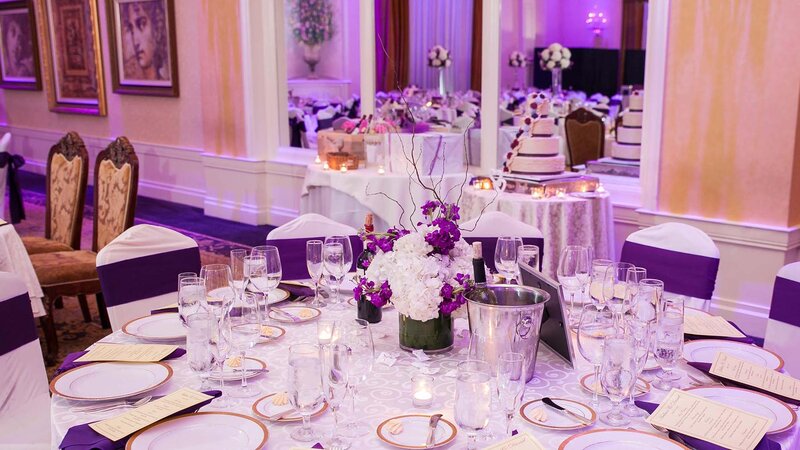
(682, 273)
(785, 300)
(139, 278)
(293, 255)
(17, 327)
(490, 243)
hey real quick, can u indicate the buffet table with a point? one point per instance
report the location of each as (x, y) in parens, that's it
(14, 259)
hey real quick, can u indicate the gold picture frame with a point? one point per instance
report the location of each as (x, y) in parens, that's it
(72, 57)
(19, 46)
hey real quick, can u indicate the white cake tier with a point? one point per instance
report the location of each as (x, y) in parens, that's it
(632, 118)
(539, 146)
(631, 152)
(543, 127)
(636, 101)
(537, 165)
(628, 135)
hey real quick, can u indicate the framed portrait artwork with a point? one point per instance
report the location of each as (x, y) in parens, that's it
(19, 49)
(144, 57)
(72, 59)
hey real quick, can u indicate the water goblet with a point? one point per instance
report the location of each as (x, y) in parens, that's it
(191, 296)
(528, 255)
(245, 319)
(618, 375)
(572, 272)
(305, 387)
(594, 326)
(615, 289)
(473, 398)
(597, 276)
(272, 272)
(315, 269)
(668, 348)
(335, 360)
(201, 327)
(356, 334)
(505, 256)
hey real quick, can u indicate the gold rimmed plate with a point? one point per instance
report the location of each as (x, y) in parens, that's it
(642, 386)
(103, 381)
(415, 432)
(294, 314)
(264, 408)
(705, 351)
(556, 420)
(619, 439)
(202, 430)
(270, 333)
(782, 415)
(164, 327)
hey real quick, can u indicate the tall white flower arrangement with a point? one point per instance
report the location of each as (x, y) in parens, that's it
(555, 56)
(439, 57)
(517, 59)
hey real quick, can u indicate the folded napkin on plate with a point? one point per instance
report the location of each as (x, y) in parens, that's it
(69, 362)
(82, 437)
(699, 444)
(296, 290)
(706, 368)
(746, 339)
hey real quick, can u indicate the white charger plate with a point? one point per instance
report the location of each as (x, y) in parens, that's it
(102, 381)
(202, 431)
(305, 313)
(757, 403)
(619, 440)
(165, 327)
(642, 386)
(556, 420)
(415, 431)
(705, 351)
(235, 373)
(264, 408)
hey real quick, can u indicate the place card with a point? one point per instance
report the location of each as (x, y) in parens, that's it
(522, 441)
(127, 352)
(703, 325)
(134, 420)
(710, 421)
(745, 372)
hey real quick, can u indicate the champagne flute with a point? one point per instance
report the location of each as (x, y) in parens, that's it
(597, 277)
(201, 326)
(473, 398)
(272, 273)
(333, 257)
(640, 331)
(335, 361)
(618, 375)
(615, 289)
(314, 266)
(510, 384)
(594, 326)
(305, 387)
(246, 323)
(191, 296)
(505, 256)
(237, 270)
(347, 262)
(634, 276)
(570, 267)
(220, 348)
(356, 334)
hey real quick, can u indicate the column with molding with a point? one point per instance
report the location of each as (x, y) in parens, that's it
(367, 49)
(490, 85)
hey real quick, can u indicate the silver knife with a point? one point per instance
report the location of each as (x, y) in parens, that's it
(432, 424)
(549, 402)
(290, 316)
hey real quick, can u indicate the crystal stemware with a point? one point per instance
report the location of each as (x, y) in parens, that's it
(201, 327)
(510, 384)
(335, 361)
(505, 256)
(618, 375)
(305, 387)
(245, 318)
(221, 348)
(640, 331)
(473, 398)
(597, 276)
(335, 265)
(594, 326)
(572, 271)
(615, 289)
(315, 269)
(356, 334)
(237, 270)
(272, 273)
(191, 296)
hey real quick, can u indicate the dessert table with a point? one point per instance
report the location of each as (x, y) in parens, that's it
(563, 221)
(14, 259)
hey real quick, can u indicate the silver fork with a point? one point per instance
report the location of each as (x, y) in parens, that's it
(113, 406)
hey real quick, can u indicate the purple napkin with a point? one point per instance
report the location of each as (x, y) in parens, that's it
(297, 291)
(82, 437)
(69, 362)
(699, 444)
(317, 445)
(746, 339)
(706, 368)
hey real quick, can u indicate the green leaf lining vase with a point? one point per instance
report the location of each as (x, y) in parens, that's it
(432, 336)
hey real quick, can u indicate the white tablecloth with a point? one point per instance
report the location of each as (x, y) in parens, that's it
(565, 221)
(387, 392)
(14, 259)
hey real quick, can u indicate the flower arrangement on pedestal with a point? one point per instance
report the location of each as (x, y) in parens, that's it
(439, 58)
(555, 58)
(517, 59)
(311, 23)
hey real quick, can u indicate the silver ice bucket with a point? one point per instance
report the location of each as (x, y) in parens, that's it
(508, 320)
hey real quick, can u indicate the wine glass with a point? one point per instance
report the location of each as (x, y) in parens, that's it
(594, 326)
(314, 266)
(272, 272)
(191, 296)
(335, 361)
(347, 252)
(334, 263)
(640, 331)
(473, 398)
(305, 387)
(615, 289)
(357, 336)
(597, 277)
(668, 341)
(505, 256)
(183, 275)
(510, 384)
(572, 265)
(201, 326)
(618, 375)
(221, 348)
(528, 255)
(246, 322)
(219, 282)
(237, 270)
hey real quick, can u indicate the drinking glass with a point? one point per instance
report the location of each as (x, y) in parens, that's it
(191, 296)
(305, 387)
(221, 348)
(314, 266)
(572, 267)
(668, 347)
(201, 326)
(347, 252)
(635, 275)
(615, 289)
(505, 256)
(271, 277)
(357, 336)
(183, 275)
(594, 326)
(334, 263)
(254, 268)
(325, 330)
(529, 255)
(510, 384)
(618, 375)
(597, 276)
(640, 331)
(219, 282)
(649, 296)
(335, 360)
(246, 323)
(237, 270)
(473, 398)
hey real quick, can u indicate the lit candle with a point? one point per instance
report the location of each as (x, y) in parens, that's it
(343, 168)
(325, 331)
(487, 184)
(537, 194)
(561, 193)
(326, 166)
(381, 170)
(317, 160)
(423, 390)
(600, 188)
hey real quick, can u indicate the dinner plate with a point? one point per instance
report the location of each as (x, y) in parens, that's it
(352, 302)
(276, 295)
(303, 313)
(759, 404)
(642, 386)
(556, 420)
(103, 381)
(264, 408)
(229, 373)
(163, 327)
(616, 439)
(415, 432)
(705, 351)
(274, 333)
(202, 431)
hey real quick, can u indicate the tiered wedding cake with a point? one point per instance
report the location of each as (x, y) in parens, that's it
(628, 144)
(535, 151)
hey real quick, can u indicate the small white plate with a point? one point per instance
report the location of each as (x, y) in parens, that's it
(759, 404)
(229, 373)
(275, 296)
(165, 327)
(277, 333)
(303, 313)
(642, 386)
(556, 420)
(103, 381)
(619, 440)
(264, 408)
(415, 431)
(202, 431)
(705, 351)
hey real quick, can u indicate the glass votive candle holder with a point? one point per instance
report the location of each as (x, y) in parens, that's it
(317, 160)
(422, 395)
(381, 170)
(326, 166)
(325, 329)
(343, 168)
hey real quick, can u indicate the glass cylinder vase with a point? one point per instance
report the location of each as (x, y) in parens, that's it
(555, 88)
(432, 336)
(442, 88)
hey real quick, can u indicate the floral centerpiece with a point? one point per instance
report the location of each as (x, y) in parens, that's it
(439, 58)
(311, 24)
(555, 58)
(517, 59)
(426, 274)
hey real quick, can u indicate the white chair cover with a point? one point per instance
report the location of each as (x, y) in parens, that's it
(496, 224)
(783, 325)
(139, 270)
(24, 393)
(677, 237)
(4, 141)
(311, 225)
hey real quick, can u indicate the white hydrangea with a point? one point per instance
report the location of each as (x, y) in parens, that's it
(556, 56)
(564, 63)
(546, 54)
(550, 65)
(566, 53)
(555, 46)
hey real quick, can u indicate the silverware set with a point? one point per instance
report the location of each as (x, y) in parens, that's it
(133, 403)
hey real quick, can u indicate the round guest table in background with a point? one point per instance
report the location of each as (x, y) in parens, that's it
(14, 259)
(563, 221)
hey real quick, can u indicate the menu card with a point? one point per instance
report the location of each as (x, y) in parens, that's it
(134, 420)
(710, 421)
(745, 372)
(127, 352)
(702, 325)
(522, 441)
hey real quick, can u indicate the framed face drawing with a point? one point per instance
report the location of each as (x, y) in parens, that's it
(19, 49)
(144, 57)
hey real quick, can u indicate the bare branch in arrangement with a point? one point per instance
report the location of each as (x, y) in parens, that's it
(399, 205)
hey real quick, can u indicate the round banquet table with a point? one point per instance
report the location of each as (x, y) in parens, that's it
(387, 392)
(14, 259)
(562, 221)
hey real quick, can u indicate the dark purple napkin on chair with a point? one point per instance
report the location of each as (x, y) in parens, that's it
(82, 437)
(699, 444)
(746, 339)
(69, 362)
(706, 368)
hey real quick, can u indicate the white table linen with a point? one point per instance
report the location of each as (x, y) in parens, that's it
(14, 259)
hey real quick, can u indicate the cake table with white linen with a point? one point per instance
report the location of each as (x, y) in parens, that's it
(14, 259)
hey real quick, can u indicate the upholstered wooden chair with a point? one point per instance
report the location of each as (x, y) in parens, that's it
(585, 136)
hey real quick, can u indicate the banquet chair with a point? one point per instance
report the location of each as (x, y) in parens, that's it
(680, 255)
(586, 136)
(24, 393)
(291, 239)
(783, 325)
(493, 224)
(6, 139)
(139, 270)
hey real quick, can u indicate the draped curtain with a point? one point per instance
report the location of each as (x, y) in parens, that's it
(477, 46)
(391, 44)
(633, 16)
